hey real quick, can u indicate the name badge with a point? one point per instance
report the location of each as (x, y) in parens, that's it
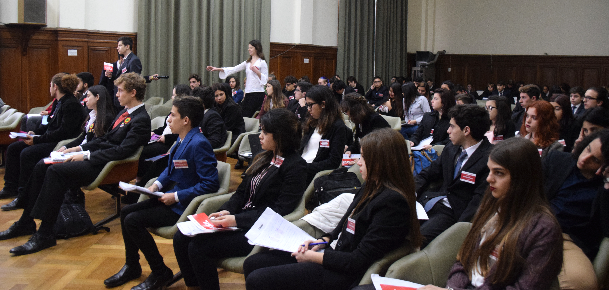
(180, 164)
(540, 152)
(291, 98)
(278, 161)
(380, 95)
(498, 138)
(562, 142)
(468, 177)
(124, 70)
(324, 143)
(431, 132)
(351, 226)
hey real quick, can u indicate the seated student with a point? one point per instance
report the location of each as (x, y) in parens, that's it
(490, 90)
(436, 122)
(448, 85)
(577, 101)
(378, 94)
(528, 94)
(44, 193)
(298, 104)
(85, 81)
(229, 110)
(354, 86)
(274, 98)
(64, 122)
(274, 180)
(464, 99)
(237, 93)
(593, 120)
(290, 86)
(569, 126)
(382, 217)
(541, 127)
(212, 126)
(181, 184)
(394, 106)
(499, 112)
(325, 134)
(515, 241)
(415, 107)
(464, 178)
(596, 97)
(338, 90)
(364, 118)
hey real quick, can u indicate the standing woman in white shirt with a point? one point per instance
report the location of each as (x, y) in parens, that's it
(256, 71)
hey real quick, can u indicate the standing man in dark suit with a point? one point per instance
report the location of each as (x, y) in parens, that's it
(129, 63)
(48, 184)
(462, 166)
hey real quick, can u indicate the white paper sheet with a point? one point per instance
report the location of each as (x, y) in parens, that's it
(426, 141)
(274, 232)
(191, 229)
(134, 188)
(421, 214)
(378, 280)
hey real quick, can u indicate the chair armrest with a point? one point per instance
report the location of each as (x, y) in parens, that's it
(380, 266)
(212, 204)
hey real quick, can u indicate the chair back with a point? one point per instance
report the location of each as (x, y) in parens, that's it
(251, 124)
(159, 110)
(119, 170)
(236, 146)
(65, 142)
(153, 101)
(432, 264)
(11, 122)
(221, 152)
(8, 113)
(4, 108)
(157, 122)
(481, 103)
(438, 148)
(394, 122)
(601, 263)
(37, 110)
(255, 114)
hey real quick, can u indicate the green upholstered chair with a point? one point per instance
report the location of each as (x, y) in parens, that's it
(64, 142)
(251, 126)
(601, 264)
(157, 122)
(113, 172)
(159, 111)
(438, 148)
(37, 110)
(394, 122)
(221, 152)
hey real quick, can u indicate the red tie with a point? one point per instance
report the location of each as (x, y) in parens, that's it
(120, 119)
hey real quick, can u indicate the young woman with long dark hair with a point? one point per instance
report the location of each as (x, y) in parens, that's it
(499, 112)
(256, 72)
(274, 98)
(569, 127)
(228, 109)
(415, 107)
(237, 92)
(274, 180)
(381, 218)
(364, 117)
(436, 122)
(394, 106)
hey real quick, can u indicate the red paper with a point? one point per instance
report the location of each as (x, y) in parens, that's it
(108, 66)
(204, 221)
(391, 287)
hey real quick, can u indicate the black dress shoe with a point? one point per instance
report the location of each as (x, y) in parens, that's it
(13, 205)
(124, 275)
(7, 194)
(36, 243)
(130, 198)
(155, 282)
(17, 230)
(239, 164)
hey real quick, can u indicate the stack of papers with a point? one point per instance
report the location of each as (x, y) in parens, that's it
(382, 283)
(22, 135)
(58, 157)
(200, 224)
(274, 232)
(426, 141)
(138, 189)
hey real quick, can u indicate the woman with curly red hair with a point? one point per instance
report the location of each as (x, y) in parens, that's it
(541, 127)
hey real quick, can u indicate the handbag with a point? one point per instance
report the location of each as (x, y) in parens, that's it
(420, 160)
(73, 219)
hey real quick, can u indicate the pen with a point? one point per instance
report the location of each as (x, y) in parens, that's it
(315, 244)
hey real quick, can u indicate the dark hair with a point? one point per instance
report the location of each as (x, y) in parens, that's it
(351, 79)
(182, 90)
(531, 90)
(377, 77)
(338, 85)
(258, 46)
(87, 78)
(304, 86)
(450, 85)
(465, 98)
(206, 94)
(133, 81)
(523, 202)
(126, 41)
(597, 116)
(603, 96)
(472, 116)
(237, 84)
(195, 76)
(227, 91)
(448, 100)
(190, 107)
(427, 92)
(290, 80)
(284, 126)
(504, 114)
(104, 107)
(577, 90)
(356, 107)
(605, 145)
(66, 83)
(567, 115)
(330, 112)
(398, 99)
(325, 79)
(386, 156)
(277, 97)
(304, 79)
(600, 134)
(565, 88)
(548, 130)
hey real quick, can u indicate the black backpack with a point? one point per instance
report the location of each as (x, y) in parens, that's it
(73, 219)
(329, 186)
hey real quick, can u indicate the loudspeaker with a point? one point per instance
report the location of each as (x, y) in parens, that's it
(33, 11)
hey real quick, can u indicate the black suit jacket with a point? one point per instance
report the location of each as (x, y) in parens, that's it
(579, 112)
(327, 157)
(233, 120)
(281, 189)
(431, 120)
(89, 133)
(121, 141)
(131, 63)
(64, 122)
(212, 126)
(463, 197)
(375, 121)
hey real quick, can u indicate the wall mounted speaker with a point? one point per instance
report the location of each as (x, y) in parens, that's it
(32, 11)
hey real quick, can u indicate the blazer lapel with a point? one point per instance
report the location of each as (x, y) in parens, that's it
(476, 156)
(185, 142)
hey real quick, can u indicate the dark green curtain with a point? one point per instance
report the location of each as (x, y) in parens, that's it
(364, 53)
(180, 37)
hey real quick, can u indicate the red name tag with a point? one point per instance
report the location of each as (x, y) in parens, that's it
(124, 70)
(324, 143)
(431, 132)
(562, 142)
(351, 226)
(278, 161)
(498, 138)
(380, 95)
(180, 164)
(468, 177)
(540, 152)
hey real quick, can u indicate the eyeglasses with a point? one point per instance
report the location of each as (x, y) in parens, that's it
(377, 81)
(590, 98)
(309, 105)
(297, 90)
(490, 108)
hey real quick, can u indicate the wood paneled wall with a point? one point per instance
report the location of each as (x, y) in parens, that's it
(29, 57)
(585, 71)
(289, 59)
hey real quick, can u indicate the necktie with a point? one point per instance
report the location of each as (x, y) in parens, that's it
(120, 119)
(573, 109)
(459, 163)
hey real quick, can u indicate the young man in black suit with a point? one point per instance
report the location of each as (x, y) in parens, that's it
(48, 184)
(462, 166)
(128, 63)
(528, 94)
